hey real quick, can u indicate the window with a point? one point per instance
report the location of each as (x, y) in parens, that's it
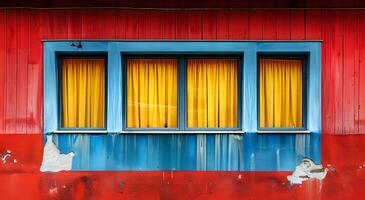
(152, 93)
(82, 92)
(281, 93)
(212, 88)
(199, 93)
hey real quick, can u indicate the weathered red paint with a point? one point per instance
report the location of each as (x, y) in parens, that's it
(21, 101)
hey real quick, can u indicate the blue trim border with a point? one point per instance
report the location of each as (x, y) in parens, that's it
(248, 50)
(252, 151)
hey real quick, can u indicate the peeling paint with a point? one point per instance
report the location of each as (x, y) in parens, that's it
(306, 170)
(53, 160)
(3, 157)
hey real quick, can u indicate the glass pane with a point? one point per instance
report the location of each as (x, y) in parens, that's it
(152, 93)
(281, 93)
(212, 93)
(83, 93)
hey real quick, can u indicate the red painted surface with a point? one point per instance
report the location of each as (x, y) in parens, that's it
(23, 30)
(21, 101)
(189, 3)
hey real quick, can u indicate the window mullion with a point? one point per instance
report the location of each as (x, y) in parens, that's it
(182, 92)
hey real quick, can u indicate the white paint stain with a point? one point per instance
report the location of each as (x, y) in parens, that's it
(53, 190)
(306, 170)
(53, 160)
(238, 137)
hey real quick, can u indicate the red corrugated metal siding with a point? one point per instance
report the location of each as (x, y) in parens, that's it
(343, 97)
(23, 30)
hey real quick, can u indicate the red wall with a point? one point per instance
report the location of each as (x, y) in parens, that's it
(22, 31)
(343, 72)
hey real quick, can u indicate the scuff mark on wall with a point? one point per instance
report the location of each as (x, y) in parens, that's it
(305, 170)
(238, 137)
(53, 160)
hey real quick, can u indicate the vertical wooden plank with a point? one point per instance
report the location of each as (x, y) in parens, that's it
(297, 22)
(132, 24)
(313, 26)
(338, 71)
(105, 26)
(58, 24)
(156, 25)
(357, 71)
(350, 65)
(361, 89)
(283, 24)
(74, 24)
(11, 70)
(269, 26)
(38, 32)
(22, 70)
(169, 25)
(222, 25)
(120, 24)
(334, 88)
(98, 24)
(195, 25)
(144, 25)
(88, 21)
(238, 25)
(182, 25)
(2, 70)
(210, 25)
(255, 25)
(327, 122)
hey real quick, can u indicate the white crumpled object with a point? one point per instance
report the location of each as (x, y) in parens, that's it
(53, 160)
(306, 170)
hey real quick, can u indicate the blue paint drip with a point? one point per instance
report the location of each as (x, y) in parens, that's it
(227, 152)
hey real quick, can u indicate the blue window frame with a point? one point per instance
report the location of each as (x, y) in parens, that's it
(248, 50)
(126, 57)
(182, 90)
(305, 67)
(128, 150)
(60, 58)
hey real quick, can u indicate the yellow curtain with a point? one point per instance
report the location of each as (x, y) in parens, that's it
(83, 93)
(212, 93)
(280, 93)
(152, 93)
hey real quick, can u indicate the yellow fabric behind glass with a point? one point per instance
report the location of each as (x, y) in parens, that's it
(152, 93)
(212, 93)
(280, 93)
(83, 93)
